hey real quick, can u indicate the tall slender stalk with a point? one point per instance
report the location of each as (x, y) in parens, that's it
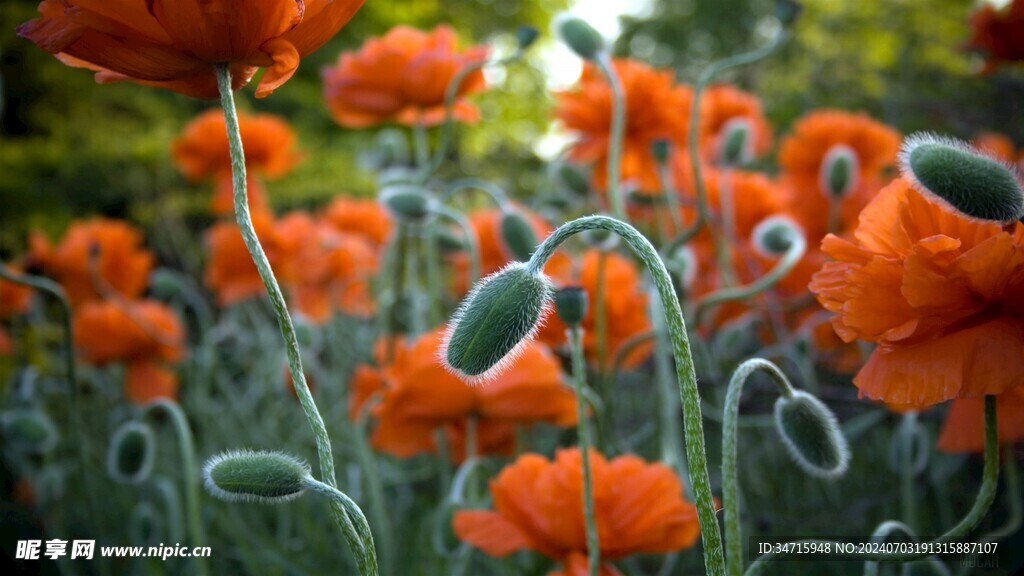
(618, 132)
(367, 561)
(579, 379)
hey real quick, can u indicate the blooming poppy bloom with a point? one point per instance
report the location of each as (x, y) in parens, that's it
(998, 34)
(538, 505)
(655, 109)
(230, 272)
(964, 429)
(941, 294)
(201, 152)
(721, 104)
(109, 249)
(14, 298)
(106, 331)
(176, 44)
(402, 77)
(360, 216)
(624, 303)
(417, 396)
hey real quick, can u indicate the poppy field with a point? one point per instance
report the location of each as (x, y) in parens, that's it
(511, 287)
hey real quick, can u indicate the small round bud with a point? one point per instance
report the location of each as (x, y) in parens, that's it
(131, 452)
(571, 305)
(29, 431)
(251, 476)
(493, 323)
(580, 36)
(961, 178)
(406, 202)
(839, 171)
(526, 36)
(600, 238)
(811, 435)
(736, 143)
(683, 262)
(775, 235)
(787, 11)
(517, 235)
(448, 241)
(661, 149)
(569, 177)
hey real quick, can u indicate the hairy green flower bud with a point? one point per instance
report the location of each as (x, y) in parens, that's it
(736, 143)
(406, 202)
(571, 305)
(255, 476)
(839, 171)
(131, 452)
(580, 36)
(492, 324)
(774, 235)
(811, 435)
(526, 36)
(28, 431)
(517, 235)
(962, 178)
(570, 177)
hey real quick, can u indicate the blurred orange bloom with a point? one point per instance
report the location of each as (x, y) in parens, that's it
(147, 380)
(722, 103)
(538, 505)
(6, 344)
(14, 298)
(230, 272)
(624, 303)
(964, 429)
(655, 109)
(107, 332)
(998, 34)
(494, 251)
(942, 295)
(402, 77)
(176, 44)
(361, 216)
(201, 152)
(122, 263)
(998, 145)
(418, 396)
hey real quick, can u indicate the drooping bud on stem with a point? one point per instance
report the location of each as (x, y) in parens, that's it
(526, 36)
(131, 453)
(811, 435)
(569, 177)
(406, 202)
(571, 305)
(580, 36)
(775, 235)
(250, 476)
(787, 11)
(517, 235)
(28, 431)
(736, 143)
(839, 170)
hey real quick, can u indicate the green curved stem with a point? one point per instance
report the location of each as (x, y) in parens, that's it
(1013, 497)
(618, 132)
(188, 470)
(730, 482)
(495, 192)
(340, 511)
(696, 454)
(668, 189)
(579, 379)
(468, 235)
(375, 491)
(358, 531)
(982, 503)
(884, 530)
(668, 407)
(790, 259)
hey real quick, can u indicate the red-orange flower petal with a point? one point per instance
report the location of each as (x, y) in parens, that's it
(147, 380)
(106, 331)
(964, 429)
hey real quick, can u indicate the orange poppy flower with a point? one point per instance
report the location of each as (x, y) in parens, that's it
(107, 332)
(538, 505)
(6, 344)
(723, 103)
(418, 396)
(493, 250)
(230, 272)
(997, 145)
(14, 298)
(655, 109)
(201, 152)
(147, 380)
(998, 34)
(361, 216)
(624, 303)
(176, 44)
(941, 295)
(964, 429)
(402, 77)
(121, 261)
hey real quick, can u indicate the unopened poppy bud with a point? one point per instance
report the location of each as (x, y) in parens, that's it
(571, 305)
(736, 143)
(255, 476)
(448, 241)
(570, 178)
(683, 262)
(492, 324)
(774, 235)
(839, 170)
(580, 37)
(962, 178)
(600, 238)
(29, 431)
(517, 234)
(406, 202)
(811, 435)
(131, 453)
(526, 36)
(787, 11)
(661, 149)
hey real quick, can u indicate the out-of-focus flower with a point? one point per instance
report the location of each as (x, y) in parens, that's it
(997, 145)
(176, 44)
(6, 344)
(201, 153)
(624, 303)
(998, 34)
(494, 252)
(106, 331)
(230, 272)
(14, 298)
(942, 295)
(361, 216)
(147, 380)
(111, 249)
(723, 103)
(402, 77)
(538, 505)
(655, 109)
(964, 429)
(417, 396)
